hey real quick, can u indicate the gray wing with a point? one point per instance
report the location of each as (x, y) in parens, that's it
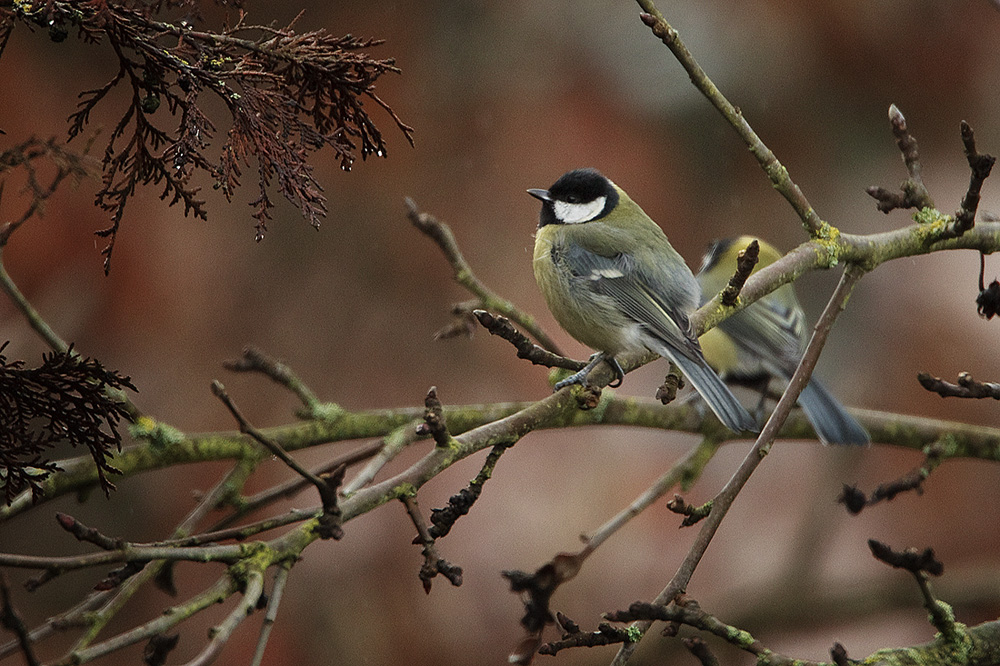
(646, 299)
(639, 295)
(775, 333)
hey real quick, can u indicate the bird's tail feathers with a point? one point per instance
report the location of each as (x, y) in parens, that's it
(716, 394)
(829, 419)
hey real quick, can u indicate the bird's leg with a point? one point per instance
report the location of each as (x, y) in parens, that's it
(580, 376)
(616, 367)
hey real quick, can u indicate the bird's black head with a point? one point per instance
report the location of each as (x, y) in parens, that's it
(715, 252)
(579, 196)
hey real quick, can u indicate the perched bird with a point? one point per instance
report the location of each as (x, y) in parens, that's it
(766, 340)
(614, 282)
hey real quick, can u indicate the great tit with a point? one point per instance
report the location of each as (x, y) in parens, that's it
(766, 340)
(613, 281)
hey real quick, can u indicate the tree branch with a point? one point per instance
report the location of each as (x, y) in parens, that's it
(11, 620)
(967, 441)
(274, 600)
(912, 192)
(254, 360)
(441, 234)
(981, 165)
(501, 327)
(221, 633)
(129, 553)
(388, 448)
(775, 171)
(546, 580)
(326, 484)
(967, 387)
(292, 487)
(223, 588)
(746, 261)
(433, 563)
(725, 498)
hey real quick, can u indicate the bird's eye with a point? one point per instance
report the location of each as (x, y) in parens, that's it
(573, 199)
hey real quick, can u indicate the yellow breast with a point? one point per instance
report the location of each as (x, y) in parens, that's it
(591, 318)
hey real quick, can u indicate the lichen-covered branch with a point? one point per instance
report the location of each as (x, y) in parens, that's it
(725, 497)
(162, 451)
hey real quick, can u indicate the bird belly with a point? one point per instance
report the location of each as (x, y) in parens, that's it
(590, 317)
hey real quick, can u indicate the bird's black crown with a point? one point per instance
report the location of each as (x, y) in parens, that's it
(715, 252)
(581, 186)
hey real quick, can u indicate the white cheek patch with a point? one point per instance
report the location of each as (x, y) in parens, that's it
(575, 213)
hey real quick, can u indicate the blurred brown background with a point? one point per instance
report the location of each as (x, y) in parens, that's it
(506, 96)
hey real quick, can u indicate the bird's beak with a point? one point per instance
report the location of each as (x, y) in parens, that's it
(542, 195)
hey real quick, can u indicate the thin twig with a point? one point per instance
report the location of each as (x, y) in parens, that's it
(70, 618)
(170, 618)
(240, 533)
(855, 500)
(221, 633)
(292, 487)
(461, 502)
(725, 498)
(245, 427)
(688, 612)
(941, 619)
(981, 165)
(869, 251)
(775, 171)
(433, 563)
(11, 620)
(500, 326)
(326, 484)
(273, 601)
(88, 534)
(606, 634)
(912, 193)
(389, 448)
(254, 360)
(441, 234)
(84, 614)
(967, 387)
(96, 621)
(540, 586)
(227, 554)
(746, 261)
(907, 147)
(686, 469)
(920, 564)
(34, 319)
(50, 337)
